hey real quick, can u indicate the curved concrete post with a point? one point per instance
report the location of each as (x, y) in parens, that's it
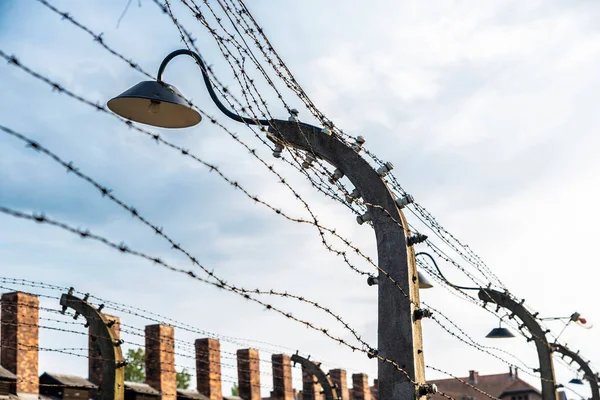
(589, 374)
(113, 375)
(538, 335)
(399, 335)
(329, 391)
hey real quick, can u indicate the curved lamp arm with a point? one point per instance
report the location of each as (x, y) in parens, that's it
(546, 370)
(589, 374)
(329, 391)
(442, 275)
(113, 375)
(211, 91)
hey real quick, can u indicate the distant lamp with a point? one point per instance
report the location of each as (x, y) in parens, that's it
(423, 281)
(579, 320)
(155, 103)
(500, 333)
(576, 381)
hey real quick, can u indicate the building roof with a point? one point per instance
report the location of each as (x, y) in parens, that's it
(141, 388)
(6, 374)
(70, 381)
(518, 386)
(496, 385)
(191, 394)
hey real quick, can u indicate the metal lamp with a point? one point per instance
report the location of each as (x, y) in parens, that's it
(423, 281)
(159, 104)
(155, 103)
(500, 333)
(576, 381)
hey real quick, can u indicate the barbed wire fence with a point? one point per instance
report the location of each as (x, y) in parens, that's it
(236, 50)
(133, 331)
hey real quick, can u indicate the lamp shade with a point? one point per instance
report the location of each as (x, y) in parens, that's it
(576, 381)
(155, 103)
(423, 282)
(499, 333)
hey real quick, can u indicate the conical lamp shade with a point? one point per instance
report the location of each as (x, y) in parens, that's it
(576, 381)
(155, 103)
(499, 333)
(423, 282)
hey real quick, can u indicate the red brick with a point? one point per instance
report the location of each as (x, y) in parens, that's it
(248, 374)
(338, 378)
(282, 377)
(19, 330)
(208, 368)
(360, 387)
(160, 360)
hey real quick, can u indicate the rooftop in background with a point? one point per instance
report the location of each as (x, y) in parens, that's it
(140, 388)
(6, 375)
(503, 386)
(70, 381)
(190, 394)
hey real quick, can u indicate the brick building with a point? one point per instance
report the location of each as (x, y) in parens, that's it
(506, 386)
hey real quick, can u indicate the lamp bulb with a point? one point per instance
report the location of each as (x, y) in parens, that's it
(154, 107)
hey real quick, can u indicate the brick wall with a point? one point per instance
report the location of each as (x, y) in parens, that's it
(160, 360)
(208, 368)
(282, 377)
(360, 387)
(339, 379)
(19, 330)
(248, 374)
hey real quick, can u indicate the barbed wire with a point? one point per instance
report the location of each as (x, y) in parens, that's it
(305, 322)
(189, 41)
(446, 232)
(68, 165)
(170, 341)
(428, 217)
(86, 234)
(165, 340)
(113, 52)
(518, 327)
(14, 61)
(462, 381)
(291, 82)
(131, 331)
(151, 316)
(220, 377)
(108, 193)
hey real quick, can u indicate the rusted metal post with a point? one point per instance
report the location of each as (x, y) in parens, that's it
(329, 391)
(589, 374)
(113, 375)
(544, 350)
(399, 335)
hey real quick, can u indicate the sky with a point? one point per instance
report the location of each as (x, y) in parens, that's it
(487, 111)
